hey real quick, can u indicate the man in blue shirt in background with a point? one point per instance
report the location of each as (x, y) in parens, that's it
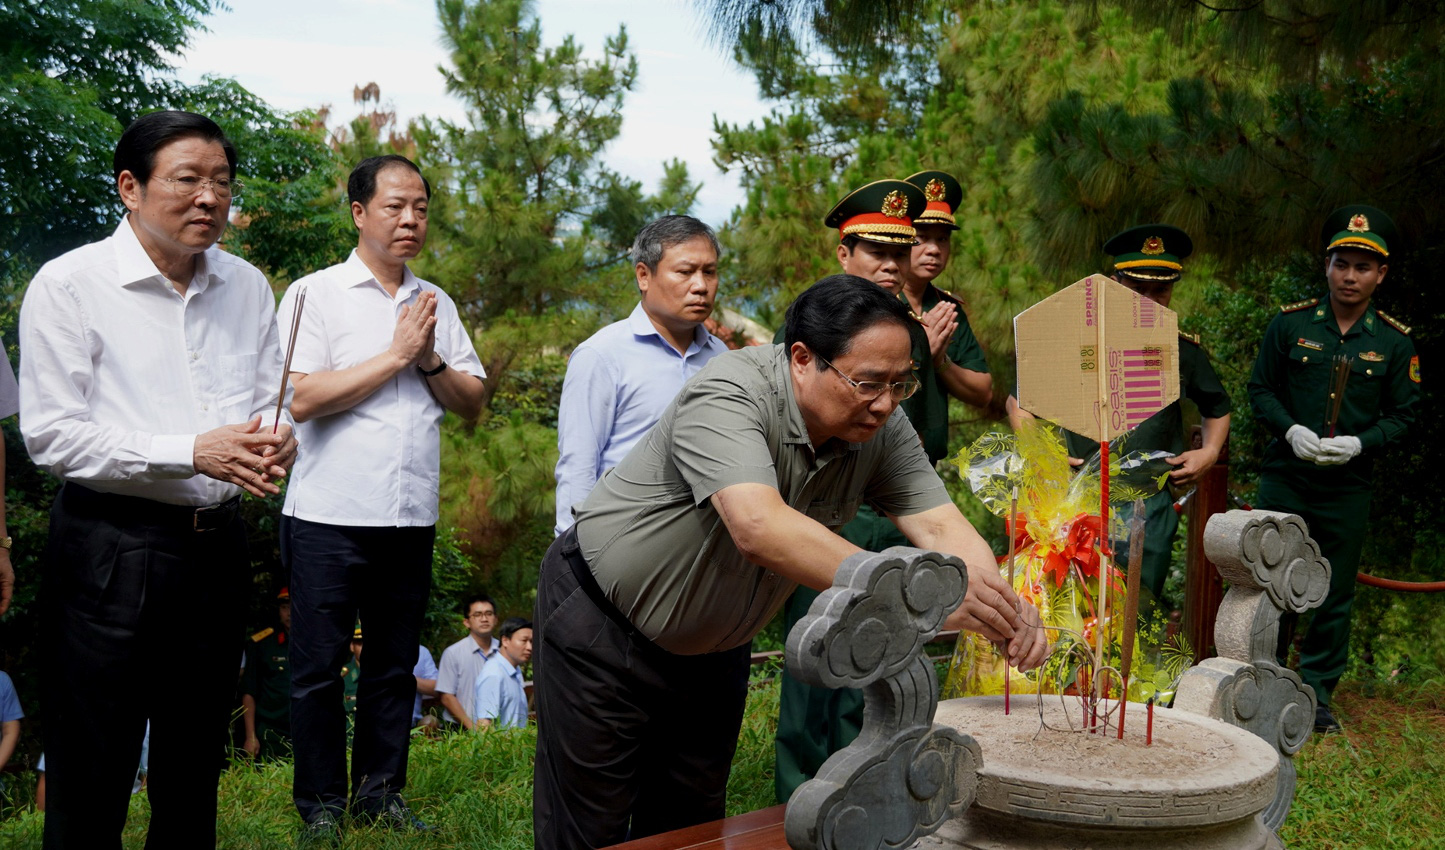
(501, 697)
(622, 377)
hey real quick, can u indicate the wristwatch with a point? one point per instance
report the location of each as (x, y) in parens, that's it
(430, 373)
(5, 542)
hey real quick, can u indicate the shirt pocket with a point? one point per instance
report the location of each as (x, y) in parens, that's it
(833, 513)
(1366, 384)
(236, 384)
(1309, 372)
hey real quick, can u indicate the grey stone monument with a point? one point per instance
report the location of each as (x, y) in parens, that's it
(903, 777)
(1272, 566)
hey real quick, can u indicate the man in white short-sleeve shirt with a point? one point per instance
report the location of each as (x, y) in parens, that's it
(380, 357)
(148, 384)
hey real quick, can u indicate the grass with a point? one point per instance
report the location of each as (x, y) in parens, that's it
(1378, 786)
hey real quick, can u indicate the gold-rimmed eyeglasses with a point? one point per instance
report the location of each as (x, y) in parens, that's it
(871, 390)
(189, 187)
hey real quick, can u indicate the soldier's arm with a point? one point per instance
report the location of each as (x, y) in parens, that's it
(964, 372)
(1268, 378)
(248, 720)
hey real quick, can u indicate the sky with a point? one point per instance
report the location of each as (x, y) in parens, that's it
(308, 53)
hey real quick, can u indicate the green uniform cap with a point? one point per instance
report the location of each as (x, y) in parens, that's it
(942, 194)
(882, 211)
(1360, 227)
(1150, 251)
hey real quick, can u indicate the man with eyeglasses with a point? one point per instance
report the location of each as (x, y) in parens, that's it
(685, 550)
(148, 384)
(878, 229)
(462, 661)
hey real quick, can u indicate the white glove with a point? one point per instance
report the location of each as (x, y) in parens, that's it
(1338, 450)
(1306, 443)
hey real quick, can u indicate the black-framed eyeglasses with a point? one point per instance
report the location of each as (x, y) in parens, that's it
(189, 187)
(871, 390)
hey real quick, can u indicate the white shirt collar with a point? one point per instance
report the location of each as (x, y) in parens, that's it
(356, 273)
(134, 265)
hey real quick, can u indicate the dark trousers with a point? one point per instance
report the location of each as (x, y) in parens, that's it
(337, 573)
(141, 617)
(1337, 514)
(631, 740)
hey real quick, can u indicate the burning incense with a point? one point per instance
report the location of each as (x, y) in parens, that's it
(1131, 603)
(1013, 537)
(1339, 377)
(290, 350)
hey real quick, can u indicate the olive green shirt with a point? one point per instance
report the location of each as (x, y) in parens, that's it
(928, 409)
(1291, 383)
(656, 544)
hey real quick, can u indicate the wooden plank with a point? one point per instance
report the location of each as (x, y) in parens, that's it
(760, 830)
(1203, 588)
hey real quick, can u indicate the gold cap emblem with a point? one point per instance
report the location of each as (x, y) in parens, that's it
(895, 205)
(1153, 245)
(1359, 224)
(934, 190)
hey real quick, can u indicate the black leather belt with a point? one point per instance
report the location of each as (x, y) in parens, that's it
(134, 509)
(573, 553)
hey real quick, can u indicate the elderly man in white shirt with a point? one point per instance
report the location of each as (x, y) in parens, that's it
(380, 357)
(622, 377)
(148, 381)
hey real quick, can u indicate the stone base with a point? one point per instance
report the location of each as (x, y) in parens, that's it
(1200, 786)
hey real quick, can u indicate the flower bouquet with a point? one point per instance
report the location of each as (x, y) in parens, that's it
(1060, 550)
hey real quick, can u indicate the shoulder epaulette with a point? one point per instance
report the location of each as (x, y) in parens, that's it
(1393, 322)
(950, 296)
(1299, 305)
(1194, 338)
(262, 635)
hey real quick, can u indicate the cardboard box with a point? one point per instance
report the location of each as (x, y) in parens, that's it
(1097, 358)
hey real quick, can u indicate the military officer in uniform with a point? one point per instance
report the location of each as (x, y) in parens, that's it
(351, 677)
(1147, 259)
(954, 364)
(876, 241)
(266, 687)
(1319, 464)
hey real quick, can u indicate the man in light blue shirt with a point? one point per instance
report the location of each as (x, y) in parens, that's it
(621, 379)
(501, 699)
(425, 672)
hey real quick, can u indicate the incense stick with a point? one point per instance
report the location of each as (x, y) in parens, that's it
(1012, 551)
(1339, 377)
(290, 350)
(1131, 603)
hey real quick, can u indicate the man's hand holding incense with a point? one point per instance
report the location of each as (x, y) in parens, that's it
(1304, 442)
(280, 459)
(992, 609)
(236, 454)
(1337, 450)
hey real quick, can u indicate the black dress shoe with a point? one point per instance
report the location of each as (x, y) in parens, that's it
(324, 832)
(1325, 722)
(395, 815)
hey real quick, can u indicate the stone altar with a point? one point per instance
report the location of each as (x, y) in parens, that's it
(1219, 775)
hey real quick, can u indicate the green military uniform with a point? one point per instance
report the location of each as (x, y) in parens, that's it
(1152, 253)
(350, 679)
(814, 723)
(267, 679)
(1290, 386)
